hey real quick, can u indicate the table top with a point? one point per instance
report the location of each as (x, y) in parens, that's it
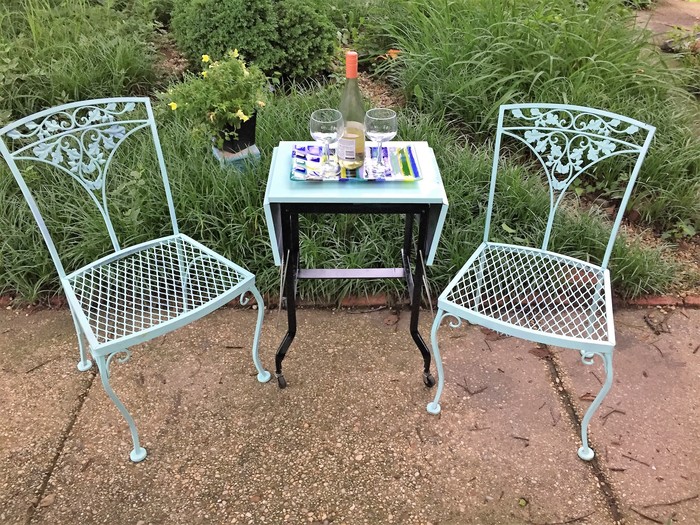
(281, 189)
(427, 190)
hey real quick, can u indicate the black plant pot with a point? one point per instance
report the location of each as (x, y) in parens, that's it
(245, 136)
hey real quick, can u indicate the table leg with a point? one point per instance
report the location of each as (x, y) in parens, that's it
(290, 243)
(408, 235)
(416, 296)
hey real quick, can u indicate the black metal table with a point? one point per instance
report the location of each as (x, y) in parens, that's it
(423, 200)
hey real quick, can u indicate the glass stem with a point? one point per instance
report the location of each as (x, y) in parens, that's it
(325, 155)
(380, 157)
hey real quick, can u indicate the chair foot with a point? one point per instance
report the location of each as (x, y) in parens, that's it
(138, 455)
(264, 376)
(586, 453)
(84, 365)
(281, 381)
(433, 408)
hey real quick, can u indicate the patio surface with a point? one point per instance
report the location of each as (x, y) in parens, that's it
(349, 441)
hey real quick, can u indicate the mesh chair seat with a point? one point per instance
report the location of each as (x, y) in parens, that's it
(526, 288)
(159, 282)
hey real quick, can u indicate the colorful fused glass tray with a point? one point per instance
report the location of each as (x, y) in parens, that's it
(306, 164)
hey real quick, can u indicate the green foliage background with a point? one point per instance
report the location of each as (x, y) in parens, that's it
(55, 52)
(459, 61)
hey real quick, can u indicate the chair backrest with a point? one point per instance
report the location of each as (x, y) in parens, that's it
(567, 140)
(80, 140)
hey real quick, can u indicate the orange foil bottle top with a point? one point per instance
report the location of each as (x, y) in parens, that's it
(351, 64)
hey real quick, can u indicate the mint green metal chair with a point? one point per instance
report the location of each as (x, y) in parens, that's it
(138, 292)
(534, 293)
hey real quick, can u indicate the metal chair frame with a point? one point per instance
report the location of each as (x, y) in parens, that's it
(534, 293)
(135, 293)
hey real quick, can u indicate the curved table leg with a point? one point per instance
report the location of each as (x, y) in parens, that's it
(428, 378)
(290, 240)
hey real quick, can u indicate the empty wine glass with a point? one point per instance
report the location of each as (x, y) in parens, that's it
(326, 126)
(380, 126)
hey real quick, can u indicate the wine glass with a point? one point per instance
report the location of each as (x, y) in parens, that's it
(326, 126)
(380, 126)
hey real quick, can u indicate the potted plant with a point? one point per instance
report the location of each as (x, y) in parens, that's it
(223, 99)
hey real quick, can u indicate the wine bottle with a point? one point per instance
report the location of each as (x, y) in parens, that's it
(351, 146)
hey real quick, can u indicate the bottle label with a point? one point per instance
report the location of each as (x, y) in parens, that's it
(346, 149)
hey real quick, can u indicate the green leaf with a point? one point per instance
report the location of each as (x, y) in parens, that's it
(418, 92)
(507, 228)
(687, 229)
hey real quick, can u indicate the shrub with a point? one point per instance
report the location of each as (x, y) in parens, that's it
(215, 27)
(291, 37)
(306, 36)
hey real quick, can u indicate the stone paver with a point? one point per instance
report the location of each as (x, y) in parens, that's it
(513, 440)
(349, 441)
(669, 14)
(648, 441)
(39, 389)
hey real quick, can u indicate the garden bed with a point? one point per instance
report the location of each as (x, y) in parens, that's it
(448, 90)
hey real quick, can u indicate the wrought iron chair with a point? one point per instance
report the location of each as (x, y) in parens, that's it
(533, 293)
(135, 293)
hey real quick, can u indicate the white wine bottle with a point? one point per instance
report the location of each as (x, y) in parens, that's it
(351, 146)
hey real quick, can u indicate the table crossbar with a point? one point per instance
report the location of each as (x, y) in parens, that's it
(351, 273)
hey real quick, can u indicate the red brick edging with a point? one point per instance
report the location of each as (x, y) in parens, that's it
(689, 301)
(364, 301)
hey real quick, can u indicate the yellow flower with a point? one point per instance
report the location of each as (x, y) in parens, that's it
(206, 58)
(204, 74)
(173, 106)
(242, 115)
(261, 103)
(212, 116)
(234, 53)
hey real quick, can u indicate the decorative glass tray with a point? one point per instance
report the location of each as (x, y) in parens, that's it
(306, 164)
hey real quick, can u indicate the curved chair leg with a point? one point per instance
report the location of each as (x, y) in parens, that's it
(263, 375)
(585, 452)
(84, 363)
(138, 453)
(434, 406)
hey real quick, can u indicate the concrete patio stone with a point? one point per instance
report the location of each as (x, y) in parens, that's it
(39, 390)
(645, 432)
(349, 441)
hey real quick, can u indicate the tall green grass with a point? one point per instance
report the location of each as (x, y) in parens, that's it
(223, 208)
(461, 59)
(54, 52)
